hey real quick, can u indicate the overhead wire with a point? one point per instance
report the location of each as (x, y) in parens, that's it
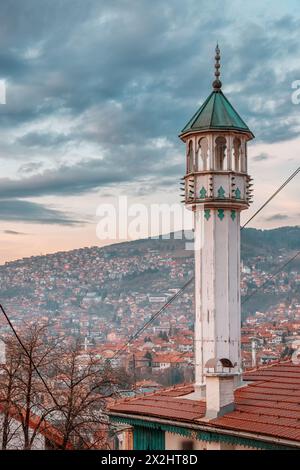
(182, 289)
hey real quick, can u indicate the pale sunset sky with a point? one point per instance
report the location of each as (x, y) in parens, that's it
(98, 91)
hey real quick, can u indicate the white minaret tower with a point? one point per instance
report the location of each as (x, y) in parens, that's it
(253, 352)
(217, 188)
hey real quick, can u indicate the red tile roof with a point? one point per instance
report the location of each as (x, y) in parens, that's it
(165, 403)
(268, 405)
(167, 358)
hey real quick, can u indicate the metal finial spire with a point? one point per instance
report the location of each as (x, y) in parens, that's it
(217, 84)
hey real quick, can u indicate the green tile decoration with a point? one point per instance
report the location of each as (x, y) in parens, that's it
(207, 213)
(221, 214)
(202, 193)
(237, 193)
(221, 192)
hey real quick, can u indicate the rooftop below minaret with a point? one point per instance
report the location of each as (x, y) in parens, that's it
(266, 406)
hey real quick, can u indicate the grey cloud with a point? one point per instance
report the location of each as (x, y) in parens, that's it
(125, 165)
(26, 211)
(276, 217)
(12, 65)
(123, 73)
(30, 167)
(261, 157)
(44, 139)
(64, 180)
(287, 23)
(26, 23)
(13, 232)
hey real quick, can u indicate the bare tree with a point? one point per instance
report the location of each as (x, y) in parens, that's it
(26, 400)
(84, 385)
(69, 401)
(8, 391)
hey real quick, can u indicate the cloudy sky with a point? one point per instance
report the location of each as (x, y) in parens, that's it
(97, 92)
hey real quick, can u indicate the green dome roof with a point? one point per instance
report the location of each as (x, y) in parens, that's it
(216, 113)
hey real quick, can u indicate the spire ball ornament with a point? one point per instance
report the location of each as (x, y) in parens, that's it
(217, 84)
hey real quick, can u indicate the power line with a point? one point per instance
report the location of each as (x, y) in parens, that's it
(28, 355)
(133, 337)
(152, 318)
(162, 309)
(272, 197)
(166, 305)
(270, 278)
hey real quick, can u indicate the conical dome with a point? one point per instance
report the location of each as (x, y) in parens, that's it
(216, 113)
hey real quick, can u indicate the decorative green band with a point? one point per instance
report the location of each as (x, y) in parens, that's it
(221, 192)
(233, 214)
(202, 193)
(149, 424)
(207, 213)
(221, 214)
(201, 435)
(237, 193)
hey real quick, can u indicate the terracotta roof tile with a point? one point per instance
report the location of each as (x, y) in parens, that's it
(162, 406)
(269, 404)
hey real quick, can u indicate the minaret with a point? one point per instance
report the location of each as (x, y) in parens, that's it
(217, 188)
(253, 352)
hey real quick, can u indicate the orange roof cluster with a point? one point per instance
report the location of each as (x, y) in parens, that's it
(167, 358)
(163, 404)
(268, 405)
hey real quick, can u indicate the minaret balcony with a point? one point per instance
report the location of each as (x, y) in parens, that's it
(225, 189)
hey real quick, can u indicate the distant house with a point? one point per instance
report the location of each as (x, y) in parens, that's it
(185, 345)
(164, 361)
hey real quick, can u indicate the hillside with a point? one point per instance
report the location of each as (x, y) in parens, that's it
(122, 280)
(254, 242)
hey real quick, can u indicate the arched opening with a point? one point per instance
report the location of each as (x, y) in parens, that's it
(243, 157)
(237, 154)
(218, 365)
(220, 152)
(202, 155)
(190, 162)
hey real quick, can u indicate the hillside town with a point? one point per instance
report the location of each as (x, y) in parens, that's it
(102, 296)
(150, 230)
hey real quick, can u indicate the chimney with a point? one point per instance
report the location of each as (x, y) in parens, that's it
(220, 387)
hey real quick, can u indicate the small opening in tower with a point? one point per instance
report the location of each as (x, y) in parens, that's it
(237, 154)
(202, 154)
(220, 150)
(190, 159)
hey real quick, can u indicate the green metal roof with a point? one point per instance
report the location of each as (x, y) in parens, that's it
(216, 113)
